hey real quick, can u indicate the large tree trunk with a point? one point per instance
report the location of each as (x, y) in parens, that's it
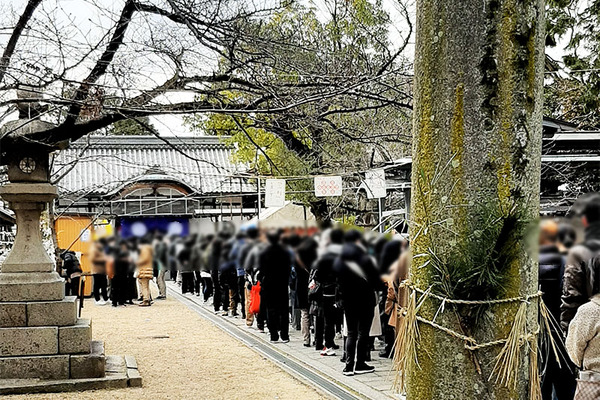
(476, 172)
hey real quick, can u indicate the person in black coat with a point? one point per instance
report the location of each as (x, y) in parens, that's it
(119, 281)
(561, 376)
(185, 266)
(73, 270)
(197, 262)
(217, 256)
(275, 267)
(131, 291)
(205, 270)
(324, 304)
(172, 257)
(226, 274)
(358, 281)
(389, 254)
(214, 262)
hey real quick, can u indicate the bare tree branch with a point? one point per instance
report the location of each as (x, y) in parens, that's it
(16, 34)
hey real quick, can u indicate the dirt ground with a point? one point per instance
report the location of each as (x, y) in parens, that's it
(182, 356)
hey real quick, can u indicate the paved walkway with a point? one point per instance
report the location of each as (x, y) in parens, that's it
(377, 385)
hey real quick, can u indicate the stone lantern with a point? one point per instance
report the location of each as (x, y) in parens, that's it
(44, 346)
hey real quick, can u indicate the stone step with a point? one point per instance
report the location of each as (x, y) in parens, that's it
(38, 367)
(28, 341)
(13, 314)
(92, 365)
(60, 366)
(118, 374)
(75, 339)
(31, 286)
(135, 379)
(52, 313)
(39, 313)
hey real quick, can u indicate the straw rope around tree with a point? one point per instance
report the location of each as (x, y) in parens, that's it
(509, 357)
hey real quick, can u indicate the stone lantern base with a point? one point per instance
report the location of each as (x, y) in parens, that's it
(46, 340)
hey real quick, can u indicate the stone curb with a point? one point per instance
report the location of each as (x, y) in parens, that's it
(119, 375)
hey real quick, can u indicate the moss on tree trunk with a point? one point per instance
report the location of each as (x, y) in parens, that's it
(476, 172)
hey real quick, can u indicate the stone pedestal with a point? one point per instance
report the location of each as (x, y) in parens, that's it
(27, 274)
(28, 255)
(40, 335)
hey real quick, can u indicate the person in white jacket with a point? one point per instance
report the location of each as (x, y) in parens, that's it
(583, 346)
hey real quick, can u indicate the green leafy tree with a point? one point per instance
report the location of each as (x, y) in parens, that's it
(342, 133)
(574, 94)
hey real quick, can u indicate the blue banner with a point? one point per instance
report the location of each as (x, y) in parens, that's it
(139, 227)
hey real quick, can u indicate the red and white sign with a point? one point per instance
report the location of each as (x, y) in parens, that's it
(328, 186)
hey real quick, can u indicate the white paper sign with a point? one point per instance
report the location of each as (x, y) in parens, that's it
(326, 186)
(275, 193)
(86, 235)
(375, 181)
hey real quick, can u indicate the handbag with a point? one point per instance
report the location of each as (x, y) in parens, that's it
(588, 386)
(254, 306)
(314, 291)
(376, 324)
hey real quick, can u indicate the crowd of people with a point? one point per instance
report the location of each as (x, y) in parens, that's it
(340, 284)
(569, 277)
(121, 271)
(330, 285)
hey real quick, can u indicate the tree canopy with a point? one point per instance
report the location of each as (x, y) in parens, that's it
(574, 94)
(337, 134)
(130, 59)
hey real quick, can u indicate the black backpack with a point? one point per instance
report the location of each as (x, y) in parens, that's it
(591, 267)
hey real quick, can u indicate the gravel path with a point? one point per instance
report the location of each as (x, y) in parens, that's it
(182, 356)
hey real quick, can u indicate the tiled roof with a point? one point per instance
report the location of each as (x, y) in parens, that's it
(100, 165)
(6, 214)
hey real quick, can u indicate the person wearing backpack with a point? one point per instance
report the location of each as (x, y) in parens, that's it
(73, 270)
(252, 268)
(579, 279)
(305, 254)
(358, 280)
(244, 280)
(275, 266)
(558, 374)
(324, 292)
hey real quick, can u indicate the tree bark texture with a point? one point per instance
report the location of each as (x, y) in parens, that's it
(476, 173)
